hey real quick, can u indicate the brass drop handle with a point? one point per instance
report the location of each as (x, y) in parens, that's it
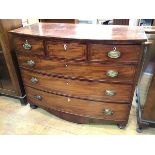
(34, 80)
(114, 54)
(31, 63)
(38, 97)
(108, 112)
(112, 73)
(65, 47)
(110, 93)
(26, 45)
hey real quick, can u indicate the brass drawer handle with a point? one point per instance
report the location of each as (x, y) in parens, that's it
(34, 80)
(114, 54)
(65, 47)
(68, 99)
(108, 112)
(112, 73)
(26, 45)
(110, 93)
(31, 63)
(38, 97)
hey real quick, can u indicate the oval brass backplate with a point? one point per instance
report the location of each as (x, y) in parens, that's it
(112, 73)
(108, 112)
(114, 54)
(38, 97)
(110, 93)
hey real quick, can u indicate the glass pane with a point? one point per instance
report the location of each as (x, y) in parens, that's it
(5, 80)
(147, 72)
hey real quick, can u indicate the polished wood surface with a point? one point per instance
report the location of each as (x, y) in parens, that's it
(59, 21)
(83, 31)
(11, 80)
(74, 65)
(98, 52)
(78, 89)
(37, 46)
(73, 50)
(78, 70)
(74, 106)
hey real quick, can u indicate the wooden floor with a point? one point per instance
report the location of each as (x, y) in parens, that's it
(17, 119)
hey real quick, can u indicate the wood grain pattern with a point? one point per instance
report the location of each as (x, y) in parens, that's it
(73, 50)
(72, 75)
(37, 46)
(89, 109)
(83, 119)
(78, 70)
(9, 74)
(79, 89)
(129, 53)
(84, 31)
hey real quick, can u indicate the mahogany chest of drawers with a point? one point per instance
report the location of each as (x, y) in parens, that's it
(81, 73)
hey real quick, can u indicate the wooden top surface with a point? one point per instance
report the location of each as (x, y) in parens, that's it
(83, 31)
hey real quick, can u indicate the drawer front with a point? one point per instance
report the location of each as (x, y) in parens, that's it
(29, 45)
(115, 53)
(79, 89)
(72, 70)
(100, 110)
(66, 50)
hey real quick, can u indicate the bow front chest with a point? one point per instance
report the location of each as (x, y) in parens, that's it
(81, 73)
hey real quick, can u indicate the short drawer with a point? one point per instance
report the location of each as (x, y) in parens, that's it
(115, 53)
(29, 45)
(84, 71)
(100, 110)
(79, 89)
(66, 50)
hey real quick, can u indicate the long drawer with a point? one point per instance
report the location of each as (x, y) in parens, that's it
(115, 53)
(99, 110)
(80, 89)
(73, 70)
